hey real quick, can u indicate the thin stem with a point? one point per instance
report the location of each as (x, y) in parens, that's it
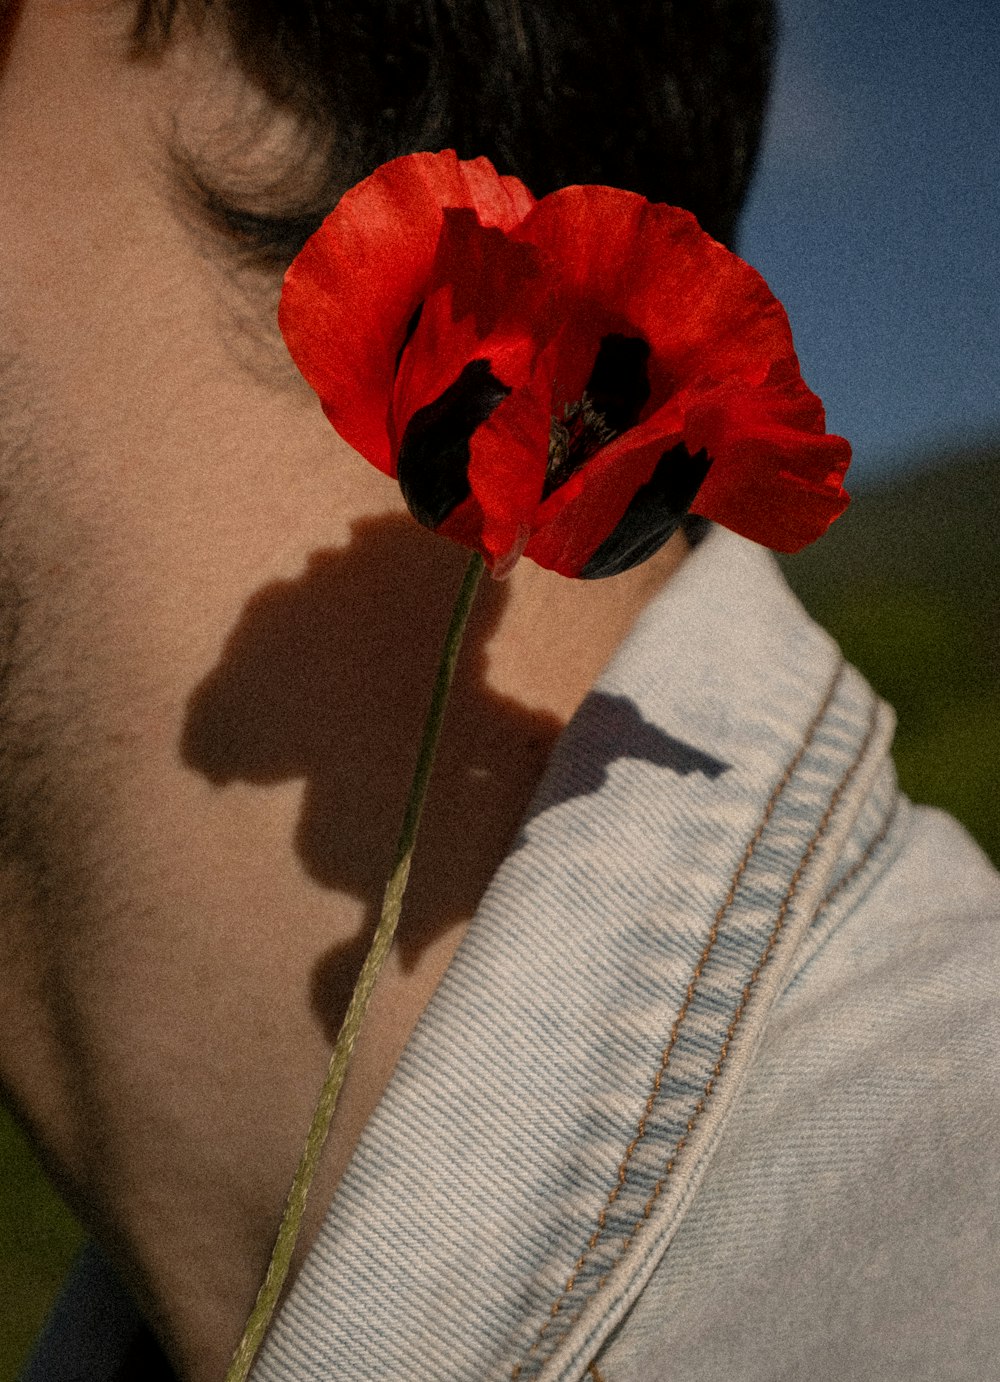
(288, 1232)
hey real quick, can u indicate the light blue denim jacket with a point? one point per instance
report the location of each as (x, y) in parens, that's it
(710, 1089)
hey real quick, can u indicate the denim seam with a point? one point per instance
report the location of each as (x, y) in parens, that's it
(877, 840)
(622, 1173)
(745, 996)
(747, 990)
(822, 931)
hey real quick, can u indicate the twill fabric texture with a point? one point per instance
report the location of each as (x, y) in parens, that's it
(710, 1088)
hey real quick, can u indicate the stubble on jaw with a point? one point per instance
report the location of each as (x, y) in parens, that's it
(44, 871)
(49, 594)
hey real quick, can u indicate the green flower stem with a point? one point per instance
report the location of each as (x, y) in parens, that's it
(288, 1232)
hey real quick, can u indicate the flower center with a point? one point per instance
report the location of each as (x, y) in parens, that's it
(611, 402)
(582, 431)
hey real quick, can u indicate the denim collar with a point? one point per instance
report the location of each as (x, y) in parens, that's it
(557, 1104)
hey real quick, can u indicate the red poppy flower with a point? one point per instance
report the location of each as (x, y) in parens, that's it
(564, 378)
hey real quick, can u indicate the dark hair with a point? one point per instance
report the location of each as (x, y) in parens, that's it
(665, 97)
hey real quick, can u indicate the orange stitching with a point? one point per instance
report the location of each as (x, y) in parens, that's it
(859, 864)
(703, 958)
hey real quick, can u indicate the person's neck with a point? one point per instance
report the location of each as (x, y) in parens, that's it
(534, 647)
(205, 1041)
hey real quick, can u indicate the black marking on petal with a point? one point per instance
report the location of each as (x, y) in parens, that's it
(619, 382)
(433, 463)
(411, 326)
(655, 511)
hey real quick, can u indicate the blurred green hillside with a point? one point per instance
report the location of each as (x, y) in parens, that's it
(908, 581)
(38, 1238)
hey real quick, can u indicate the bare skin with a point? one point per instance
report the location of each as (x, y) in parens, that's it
(186, 875)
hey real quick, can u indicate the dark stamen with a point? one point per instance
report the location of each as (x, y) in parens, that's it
(572, 441)
(615, 395)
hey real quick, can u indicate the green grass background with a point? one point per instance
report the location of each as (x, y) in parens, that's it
(908, 583)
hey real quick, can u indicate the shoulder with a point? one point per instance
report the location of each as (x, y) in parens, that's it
(848, 1223)
(915, 939)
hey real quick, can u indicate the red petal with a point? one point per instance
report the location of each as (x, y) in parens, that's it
(706, 314)
(488, 299)
(723, 370)
(765, 494)
(507, 464)
(776, 476)
(351, 292)
(484, 299)
(576, 519)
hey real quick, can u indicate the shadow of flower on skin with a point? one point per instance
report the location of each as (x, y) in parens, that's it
(327, 678)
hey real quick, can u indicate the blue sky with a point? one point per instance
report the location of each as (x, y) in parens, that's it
(875, 217)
